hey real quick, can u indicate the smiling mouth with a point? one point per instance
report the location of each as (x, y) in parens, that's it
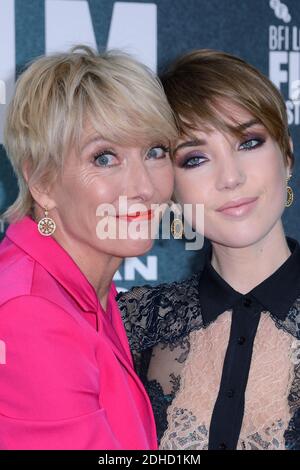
(238, 208)
(138, 215)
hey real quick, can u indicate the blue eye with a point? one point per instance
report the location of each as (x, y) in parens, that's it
(157, 152)
(251, 144)
(192, 162)
(104, 159)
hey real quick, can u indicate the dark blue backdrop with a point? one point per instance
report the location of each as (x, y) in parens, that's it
(265, 33)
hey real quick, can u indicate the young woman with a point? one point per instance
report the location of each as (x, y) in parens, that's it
(224, 372)
(82, 130)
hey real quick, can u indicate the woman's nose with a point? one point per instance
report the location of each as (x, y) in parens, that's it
(230, 174)
(140, 182)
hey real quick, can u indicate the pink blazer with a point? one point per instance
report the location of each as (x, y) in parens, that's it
(66, 372)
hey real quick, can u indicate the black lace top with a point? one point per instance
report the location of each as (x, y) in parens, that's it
(222, 369)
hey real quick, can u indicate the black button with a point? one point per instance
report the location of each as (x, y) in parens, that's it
(222, 446)
(230, 393)
(241, 340)
(247, 302)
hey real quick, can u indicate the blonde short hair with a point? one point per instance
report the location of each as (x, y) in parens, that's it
(122, 99)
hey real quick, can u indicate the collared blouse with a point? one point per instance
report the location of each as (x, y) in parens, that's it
(66, 373)
(222, 368)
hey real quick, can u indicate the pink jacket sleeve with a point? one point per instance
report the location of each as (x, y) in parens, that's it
(49, 393)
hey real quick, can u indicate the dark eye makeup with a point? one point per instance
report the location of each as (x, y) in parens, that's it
(195, 158)
(252, 143)
(192, 160)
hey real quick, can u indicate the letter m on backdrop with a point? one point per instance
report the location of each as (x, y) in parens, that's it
(133, 27)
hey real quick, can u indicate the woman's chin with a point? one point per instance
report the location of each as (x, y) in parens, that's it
(129, 248)
(238, 239)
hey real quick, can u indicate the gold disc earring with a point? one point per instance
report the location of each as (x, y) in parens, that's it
(46, 225)
(177, 228)
(290, 194)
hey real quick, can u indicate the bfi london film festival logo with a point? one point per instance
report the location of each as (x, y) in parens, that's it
(284, 59)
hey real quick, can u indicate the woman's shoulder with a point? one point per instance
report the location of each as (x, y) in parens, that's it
(16, 271)
(160, 297)
(162, 313)
(27, 312)
(22, 276)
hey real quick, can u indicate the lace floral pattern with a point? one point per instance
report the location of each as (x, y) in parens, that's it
(291, 324)
(186, 433)
(160, 314)
(272, 441)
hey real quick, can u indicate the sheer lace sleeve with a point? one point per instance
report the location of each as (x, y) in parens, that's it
(158, 321)
(140, 309)
(162, 377)
(160, 314)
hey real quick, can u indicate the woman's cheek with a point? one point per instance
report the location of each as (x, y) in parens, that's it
(181, 189)
(164, 183)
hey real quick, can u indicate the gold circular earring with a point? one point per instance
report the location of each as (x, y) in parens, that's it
(46, 225)
(177, 224)
(290, 194)
(177, 228)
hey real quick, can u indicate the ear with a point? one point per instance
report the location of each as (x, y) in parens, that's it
(40, 192)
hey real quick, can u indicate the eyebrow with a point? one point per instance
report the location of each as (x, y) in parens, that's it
(195, 142)
(189, 143)
(247, 124)
(95, 138)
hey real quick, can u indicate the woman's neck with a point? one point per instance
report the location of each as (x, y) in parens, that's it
(98, 267)
(245, 268)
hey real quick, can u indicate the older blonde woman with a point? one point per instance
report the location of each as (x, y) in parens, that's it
(82, 130)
